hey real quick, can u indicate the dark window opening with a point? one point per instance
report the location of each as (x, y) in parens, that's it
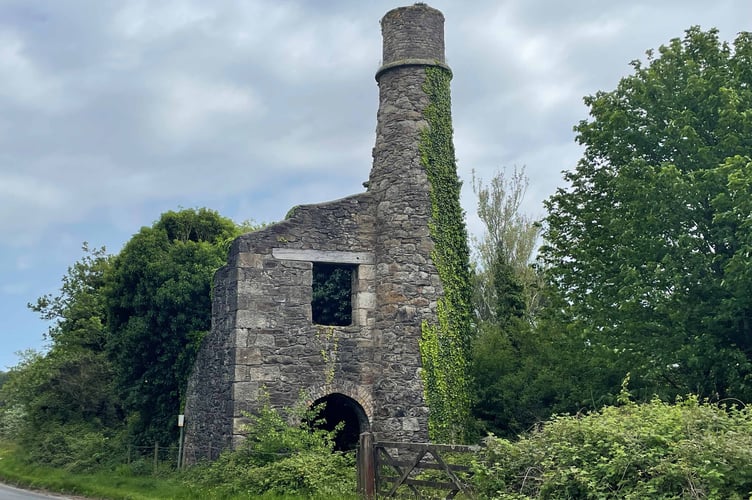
(336, 408)
(331, 302)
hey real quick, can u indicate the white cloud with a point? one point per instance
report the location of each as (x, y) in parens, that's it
(144, 21)
(186, 106)
(22, 81)
(594, 31)
(24, 262)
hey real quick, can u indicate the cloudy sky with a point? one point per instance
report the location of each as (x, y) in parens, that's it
(114, 111)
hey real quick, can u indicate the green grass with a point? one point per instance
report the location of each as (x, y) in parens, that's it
(106, 484)
(119, 484)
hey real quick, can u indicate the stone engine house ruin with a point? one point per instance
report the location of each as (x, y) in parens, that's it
(268, 336)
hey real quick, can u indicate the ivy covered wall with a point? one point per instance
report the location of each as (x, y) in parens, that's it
(445, 345)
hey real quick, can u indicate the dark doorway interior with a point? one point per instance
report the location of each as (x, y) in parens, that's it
(340, 408)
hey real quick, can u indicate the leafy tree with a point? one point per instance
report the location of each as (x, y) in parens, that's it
(159, 307)
(78, 313)
(509, 238)
(511, 363)
(646, 249)
(58, 398)
(516, 362)
(70, 383)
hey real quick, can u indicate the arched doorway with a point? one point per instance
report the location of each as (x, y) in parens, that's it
(340, 408)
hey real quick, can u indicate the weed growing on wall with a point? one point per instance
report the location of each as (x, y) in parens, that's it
(445, 345)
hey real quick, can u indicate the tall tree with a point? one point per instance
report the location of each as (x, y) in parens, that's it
(643, 248)
(509, 238)
(159, 308)
(72, 382)
(513, 367)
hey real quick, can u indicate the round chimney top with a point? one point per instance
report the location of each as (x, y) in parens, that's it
(412, 35)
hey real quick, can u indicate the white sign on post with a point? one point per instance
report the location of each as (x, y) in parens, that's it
(181, 418)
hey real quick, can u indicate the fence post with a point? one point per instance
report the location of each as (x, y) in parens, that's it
(156, 455)
(366, 469)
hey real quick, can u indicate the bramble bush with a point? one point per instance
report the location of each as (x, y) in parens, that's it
(690, 449)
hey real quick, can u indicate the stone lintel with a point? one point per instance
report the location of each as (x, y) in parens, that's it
(323, 256)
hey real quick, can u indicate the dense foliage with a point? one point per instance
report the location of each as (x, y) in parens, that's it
(446, 346)
(689, 449)
(61, 406)
(514, 381)
(331, 294)
(158, 309)
(648, 251)
(279, 458)
(124, 330)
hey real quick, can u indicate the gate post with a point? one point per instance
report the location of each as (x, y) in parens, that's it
(366, 468)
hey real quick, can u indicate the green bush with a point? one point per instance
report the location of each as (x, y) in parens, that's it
(75, 448)
(689, 449)
(11, 421)
(281, 458)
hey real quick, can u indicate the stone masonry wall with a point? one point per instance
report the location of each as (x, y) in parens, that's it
(263, 337)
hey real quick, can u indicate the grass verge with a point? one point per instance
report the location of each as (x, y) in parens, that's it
(104, 484)
(118, 484)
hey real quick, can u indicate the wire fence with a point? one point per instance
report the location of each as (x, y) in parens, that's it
(158, 456)
(193, 454)
(168, 456)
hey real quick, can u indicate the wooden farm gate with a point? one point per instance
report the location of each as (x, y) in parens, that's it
(381, 473)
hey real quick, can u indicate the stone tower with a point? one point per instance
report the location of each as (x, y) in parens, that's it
(268, 335)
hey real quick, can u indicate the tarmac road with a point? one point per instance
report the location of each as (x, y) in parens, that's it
(11, 493)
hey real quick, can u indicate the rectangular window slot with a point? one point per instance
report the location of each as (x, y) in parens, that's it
(332, 294)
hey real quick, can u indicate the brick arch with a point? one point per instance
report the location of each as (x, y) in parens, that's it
(356, 392)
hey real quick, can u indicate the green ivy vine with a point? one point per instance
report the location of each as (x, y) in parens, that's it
(445, 345)
(327, 337)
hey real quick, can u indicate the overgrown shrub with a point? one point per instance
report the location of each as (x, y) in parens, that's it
(281, 458)
(689, 449)
(11, 422)
(76, 448)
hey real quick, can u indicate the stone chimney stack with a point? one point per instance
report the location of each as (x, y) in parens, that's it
(414, 33)
(407, 282)
(413, 38)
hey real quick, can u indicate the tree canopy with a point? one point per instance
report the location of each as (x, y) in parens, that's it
(158, 309)
(647, 249)
(124, 332)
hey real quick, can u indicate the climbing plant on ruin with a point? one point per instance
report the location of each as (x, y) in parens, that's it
(445, 345)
